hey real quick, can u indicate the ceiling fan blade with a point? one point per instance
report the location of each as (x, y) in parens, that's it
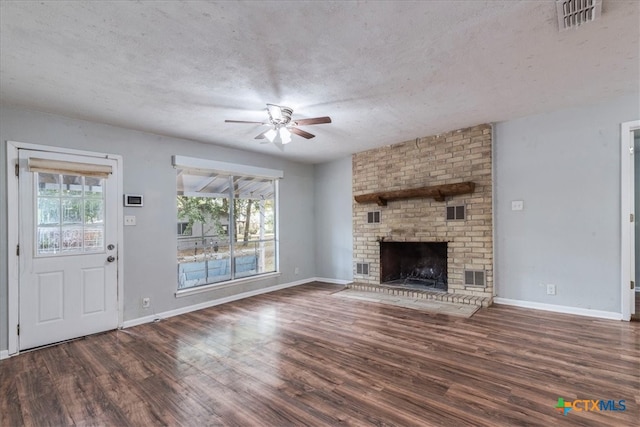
(314, 121)
(261, 135)
(244, 121)
(302, 133)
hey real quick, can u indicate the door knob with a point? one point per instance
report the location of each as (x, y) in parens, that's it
(111, 258)
(110, 247)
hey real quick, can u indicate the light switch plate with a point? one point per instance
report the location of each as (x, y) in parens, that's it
(517, 205)
(129, 220)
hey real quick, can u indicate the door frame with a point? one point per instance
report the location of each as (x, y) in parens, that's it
(13, 217)
(627, 207)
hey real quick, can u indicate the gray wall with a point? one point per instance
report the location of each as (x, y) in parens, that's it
(150, 247)
(334, 232)
(565, 166)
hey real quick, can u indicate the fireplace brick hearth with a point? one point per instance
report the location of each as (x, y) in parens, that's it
(452, 157)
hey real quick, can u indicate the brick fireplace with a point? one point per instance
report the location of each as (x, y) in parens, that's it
(461, 223)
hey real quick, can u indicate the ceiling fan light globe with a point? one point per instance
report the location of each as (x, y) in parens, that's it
(275, 112)
(285, 135)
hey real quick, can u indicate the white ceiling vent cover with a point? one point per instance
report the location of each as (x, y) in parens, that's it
(573, 13)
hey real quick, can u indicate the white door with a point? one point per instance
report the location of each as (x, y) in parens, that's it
(629, 218)
(67, 236)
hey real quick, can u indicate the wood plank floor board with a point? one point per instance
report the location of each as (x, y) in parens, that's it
(39, 403)
(382, 405)
(86, 402)
(228, 407)
(175, 402)
(161, 362)
(122, 391)
(10, 408)
(262, 403)
(300, 356)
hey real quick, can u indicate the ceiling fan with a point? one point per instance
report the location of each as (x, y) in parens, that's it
(281, 125)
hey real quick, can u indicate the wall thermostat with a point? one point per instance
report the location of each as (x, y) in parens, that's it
(135, 200)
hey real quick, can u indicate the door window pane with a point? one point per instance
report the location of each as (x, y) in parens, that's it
(93, 188)
(70, 214)
(48, 184)
(93, 211)
(71, 186)
(93, 239)
(72, 239)
(48, 240)
(48, 211)
(71, 211)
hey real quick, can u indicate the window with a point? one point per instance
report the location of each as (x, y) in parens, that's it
(184, 229)
(226, 226)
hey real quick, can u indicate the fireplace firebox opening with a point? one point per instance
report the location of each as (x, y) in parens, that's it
(419, 265)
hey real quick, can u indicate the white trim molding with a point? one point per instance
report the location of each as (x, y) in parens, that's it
(332, 281)
(559, 308)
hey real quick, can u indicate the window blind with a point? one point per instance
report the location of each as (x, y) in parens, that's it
(69, 168)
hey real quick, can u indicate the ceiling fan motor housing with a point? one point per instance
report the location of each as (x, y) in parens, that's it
(279, 115)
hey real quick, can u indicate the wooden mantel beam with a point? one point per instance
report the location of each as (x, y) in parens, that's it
(437, 192)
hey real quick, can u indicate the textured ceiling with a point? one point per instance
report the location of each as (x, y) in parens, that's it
(385, 71)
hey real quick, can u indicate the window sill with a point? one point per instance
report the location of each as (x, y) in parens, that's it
(222, 285)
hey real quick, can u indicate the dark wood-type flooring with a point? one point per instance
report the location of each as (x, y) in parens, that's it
(636, 316)
(303, 357)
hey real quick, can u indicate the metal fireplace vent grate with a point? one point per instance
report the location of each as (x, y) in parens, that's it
(573, 13)
(474, 278)
(362, 268)
(456, 213)
(373, 217)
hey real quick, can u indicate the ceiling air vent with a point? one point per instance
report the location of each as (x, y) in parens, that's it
(573, 13)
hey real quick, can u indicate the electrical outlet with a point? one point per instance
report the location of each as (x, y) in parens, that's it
(517, 205)
(146, 302)
(296, 271)
(129, 220)
(551, 289)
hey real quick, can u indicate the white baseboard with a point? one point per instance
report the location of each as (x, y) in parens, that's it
(207, 304)
(333, 281)
(4, 354)
(559, 308)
